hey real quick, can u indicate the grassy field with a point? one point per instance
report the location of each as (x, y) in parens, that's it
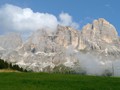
(45, 81)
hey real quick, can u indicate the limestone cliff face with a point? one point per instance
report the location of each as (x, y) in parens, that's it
(100, 36)
(10, 41)
(49, 49)
(100, 29)
(67, 36)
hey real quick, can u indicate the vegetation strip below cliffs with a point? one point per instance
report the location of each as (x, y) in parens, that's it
(46, 81)
(5, 66)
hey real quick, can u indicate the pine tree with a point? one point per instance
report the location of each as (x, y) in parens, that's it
(6, 65)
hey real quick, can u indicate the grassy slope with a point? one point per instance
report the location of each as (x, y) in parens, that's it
(43, 81)
(8, 70)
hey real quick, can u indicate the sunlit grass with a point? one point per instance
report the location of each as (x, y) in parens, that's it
(45, 81)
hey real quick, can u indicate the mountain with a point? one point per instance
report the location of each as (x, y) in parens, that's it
(94, 49)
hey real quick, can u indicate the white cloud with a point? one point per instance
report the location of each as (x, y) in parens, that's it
(14, 18)
(66, 20)
(18, 19)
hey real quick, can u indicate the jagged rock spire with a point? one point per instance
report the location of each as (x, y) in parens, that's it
(100, 29)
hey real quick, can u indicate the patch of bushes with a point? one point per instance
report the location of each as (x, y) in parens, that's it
(63, 69)
(6, 65)
(107, 73)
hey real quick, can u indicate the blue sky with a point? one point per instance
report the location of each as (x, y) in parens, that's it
(82, 11)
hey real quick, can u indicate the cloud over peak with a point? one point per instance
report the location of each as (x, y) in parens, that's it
(66, 20)
(14, 18)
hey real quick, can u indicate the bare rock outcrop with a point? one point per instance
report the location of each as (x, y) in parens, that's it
(45, 49)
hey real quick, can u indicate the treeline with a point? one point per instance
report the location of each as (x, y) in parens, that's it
(6, 65)
(63, 69)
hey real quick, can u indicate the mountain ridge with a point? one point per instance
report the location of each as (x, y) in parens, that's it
(98, 41)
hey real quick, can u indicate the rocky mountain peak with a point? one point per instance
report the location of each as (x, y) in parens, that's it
(101, 21)
(67, 46)
(100, 29)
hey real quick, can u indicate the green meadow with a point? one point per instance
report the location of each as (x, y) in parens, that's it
(46, 81)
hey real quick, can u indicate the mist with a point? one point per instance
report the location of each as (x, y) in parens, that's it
(91, 63)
